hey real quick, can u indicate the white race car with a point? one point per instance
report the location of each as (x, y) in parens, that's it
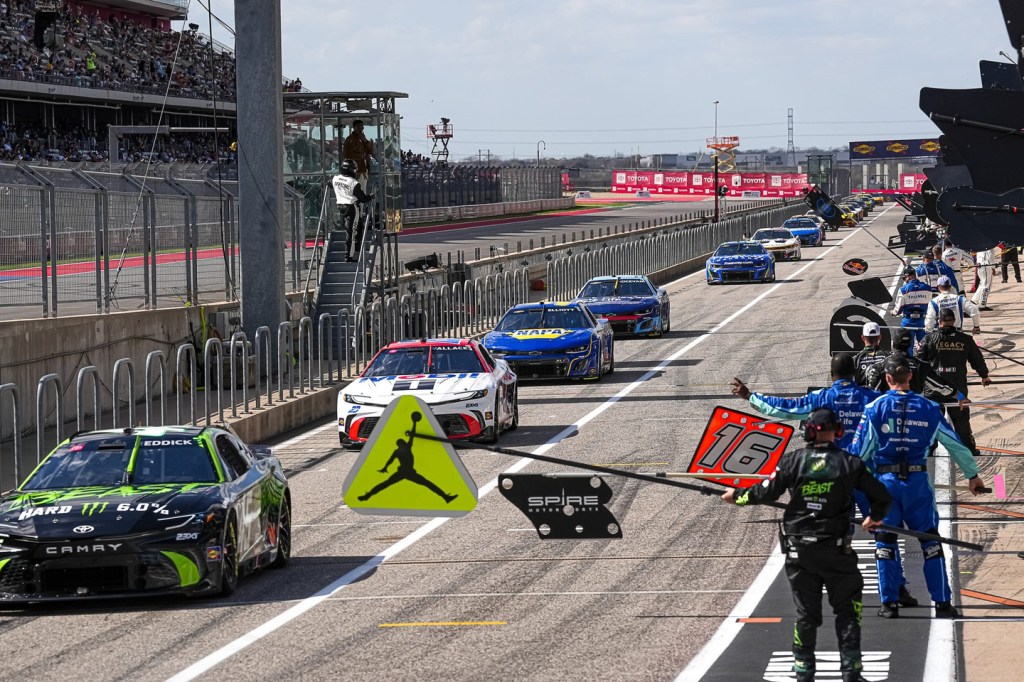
(780, 242)
(472, 394)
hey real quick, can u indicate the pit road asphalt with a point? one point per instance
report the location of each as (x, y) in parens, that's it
(510, 605)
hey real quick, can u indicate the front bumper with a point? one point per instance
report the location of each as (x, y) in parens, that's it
(460, 420)
(554, 366)
(171, 569)
(725, 275)
(785, 253)
(634, 324)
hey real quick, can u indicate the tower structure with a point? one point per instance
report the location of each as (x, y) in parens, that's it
(440, 133)
(790, 149)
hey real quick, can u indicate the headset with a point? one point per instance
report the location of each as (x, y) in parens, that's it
(811, 430)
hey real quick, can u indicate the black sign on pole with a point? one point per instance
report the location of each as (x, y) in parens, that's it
(570, 507)
(846, 325)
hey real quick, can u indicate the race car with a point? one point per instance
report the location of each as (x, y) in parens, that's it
(472, 394)
(142, 512)
(740, 262)
(806, 230)
(554, 340)
(631, 303)
(813, 215)
(782, 244)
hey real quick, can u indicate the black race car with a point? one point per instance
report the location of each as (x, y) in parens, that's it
(145, 511)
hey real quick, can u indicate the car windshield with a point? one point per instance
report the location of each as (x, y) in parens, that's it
(569, 317)
(799, 224)
(607, 288)
(110, 463)
(740, 249)
(424, 360)
(773, 234)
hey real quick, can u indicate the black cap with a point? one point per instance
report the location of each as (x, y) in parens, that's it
(895, 363)
(909, 272)
(901, 339)
(822, 418)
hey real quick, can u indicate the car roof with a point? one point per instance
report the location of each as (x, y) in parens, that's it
(545, 304)
(144, 431)
(612, 278)
(424, 343)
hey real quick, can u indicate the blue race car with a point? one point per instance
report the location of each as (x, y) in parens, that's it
(740, 262)
(631, 303)
(806, 230)
(553, 340)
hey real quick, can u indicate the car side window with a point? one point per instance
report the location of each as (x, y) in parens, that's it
(591, 320)
(232, 459)
(488, 359)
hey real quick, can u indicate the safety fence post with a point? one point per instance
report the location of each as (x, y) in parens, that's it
(90, 371)
(239, 338)
(262, 349)
(12, 389)
(216, 346)
(284, 340)
(305, 349)
(155, 357)
(115, 390)
(325, 329)
(186, 352)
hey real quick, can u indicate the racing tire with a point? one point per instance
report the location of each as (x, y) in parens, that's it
(666, 328)
(491, 434)
(284, 535)
(229, 569)
(515, 411)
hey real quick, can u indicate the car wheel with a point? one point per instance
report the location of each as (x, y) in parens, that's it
(492, 433)
(284, 534)
(667, 324)
(229, 570)
(515, 410)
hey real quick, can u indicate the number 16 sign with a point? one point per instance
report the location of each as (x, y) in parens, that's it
(735, 443)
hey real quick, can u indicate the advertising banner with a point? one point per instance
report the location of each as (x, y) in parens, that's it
(768, 185)
(894, 149)
(911, 182)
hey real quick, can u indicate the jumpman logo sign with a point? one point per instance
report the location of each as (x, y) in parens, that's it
(406, 469)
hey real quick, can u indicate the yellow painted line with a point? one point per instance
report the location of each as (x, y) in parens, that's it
(633, 464)
(758, 620)
(444, 623)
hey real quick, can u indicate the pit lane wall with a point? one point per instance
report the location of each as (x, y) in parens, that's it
(156, 378)
(413, 216)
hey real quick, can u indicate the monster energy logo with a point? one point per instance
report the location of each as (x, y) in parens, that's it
(94, 508)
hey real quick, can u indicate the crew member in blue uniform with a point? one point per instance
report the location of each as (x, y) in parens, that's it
(894, 438)
(912, 304)
(844, 397)
(821, 480)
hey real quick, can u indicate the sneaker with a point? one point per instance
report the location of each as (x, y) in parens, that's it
(853, 677)
(906, 599)
(805, 677)
(890, 610)
(944, 609)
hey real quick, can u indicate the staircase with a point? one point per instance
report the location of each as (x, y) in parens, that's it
(343, 285)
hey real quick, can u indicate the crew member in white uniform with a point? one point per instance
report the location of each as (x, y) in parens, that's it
(986, 261)
(959, 260)
(349, 193)
(958, 303)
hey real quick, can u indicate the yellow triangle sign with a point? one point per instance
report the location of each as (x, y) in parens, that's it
(400, 472)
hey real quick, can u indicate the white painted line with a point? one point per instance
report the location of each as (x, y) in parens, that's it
(219, 656)
(938, 662)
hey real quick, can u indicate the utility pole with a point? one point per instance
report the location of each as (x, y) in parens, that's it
(790, 149)
(716, 162)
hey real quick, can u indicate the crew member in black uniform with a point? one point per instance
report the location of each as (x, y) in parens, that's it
(923, 378)
(871, 353)
(949, 351)
(821, 479)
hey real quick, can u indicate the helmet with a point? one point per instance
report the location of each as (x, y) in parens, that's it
(348, 167)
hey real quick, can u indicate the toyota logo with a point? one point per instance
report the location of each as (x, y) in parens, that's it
(84, 529)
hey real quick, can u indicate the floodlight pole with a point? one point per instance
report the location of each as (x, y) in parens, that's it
(539, 143)
(715, 156)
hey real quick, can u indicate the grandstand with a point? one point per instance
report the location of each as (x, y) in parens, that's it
(110, 63)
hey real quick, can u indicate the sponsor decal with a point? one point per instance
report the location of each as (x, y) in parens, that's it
(538, 502)
(213, 553)
(897, 148)
(930, 146)
(863, 149)
(84, 529)
(166, 443)
(94, 508)
(186, 536)
(43, 511)
(855, 266)
(40, 499)
(539, 333)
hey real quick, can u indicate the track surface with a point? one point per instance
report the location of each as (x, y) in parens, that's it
(637, 608)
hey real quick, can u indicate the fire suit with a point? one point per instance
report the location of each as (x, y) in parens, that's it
(929, 273)
(843, 397)
(912, 303)
(960, 306)
(986, 263)
(865, 359)
(894, 438)
(949, 351)
(821, 480)
(348, 193)
(959, 260)
(923, 380)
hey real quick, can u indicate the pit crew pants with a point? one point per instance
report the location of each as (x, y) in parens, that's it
(960, 419)
(980, 297)
(917, 333)
(913, 506)
(835, 568)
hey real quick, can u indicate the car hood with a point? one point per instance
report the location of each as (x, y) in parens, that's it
(742, 259)
(797, 231)
(422, 385)
(776, 243)
(537, 339)
(97, 511)
(618, 305)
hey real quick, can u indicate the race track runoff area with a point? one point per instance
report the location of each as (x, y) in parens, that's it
(482, 596)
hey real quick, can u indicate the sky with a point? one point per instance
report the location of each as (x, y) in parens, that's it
(603, 77)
